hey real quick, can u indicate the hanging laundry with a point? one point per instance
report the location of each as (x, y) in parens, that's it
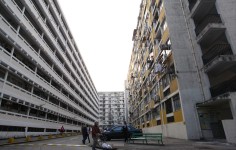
(157, 68)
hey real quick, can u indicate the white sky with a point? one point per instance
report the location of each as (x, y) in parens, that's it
(103, 30)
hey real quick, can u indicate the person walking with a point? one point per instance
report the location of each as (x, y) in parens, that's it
(88, 132)
(125, 132)
(84, 133)
(95, 134)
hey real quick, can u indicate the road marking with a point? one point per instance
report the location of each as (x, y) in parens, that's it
(51, 144)
(74, 138)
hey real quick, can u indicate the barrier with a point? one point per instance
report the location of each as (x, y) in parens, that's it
(11, 140)
(40, 137)
(50, 136)
(28, 138)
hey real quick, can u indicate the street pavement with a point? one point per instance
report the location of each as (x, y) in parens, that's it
(75, 143)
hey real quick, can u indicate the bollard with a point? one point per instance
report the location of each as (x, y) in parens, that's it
(11, 140)
(58, 135)
(40, 137)
(28, 138)
(49, 136)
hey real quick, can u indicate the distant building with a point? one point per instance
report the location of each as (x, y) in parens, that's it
(44, 83)
(111, 108)
(182, 73)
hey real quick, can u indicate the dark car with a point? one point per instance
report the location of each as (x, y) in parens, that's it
(116, 132)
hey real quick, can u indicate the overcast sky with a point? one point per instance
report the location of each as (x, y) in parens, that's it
(103, 30)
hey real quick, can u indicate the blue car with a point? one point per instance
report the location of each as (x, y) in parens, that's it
(116, 132)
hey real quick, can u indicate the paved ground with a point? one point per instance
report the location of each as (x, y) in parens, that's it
(74, 143)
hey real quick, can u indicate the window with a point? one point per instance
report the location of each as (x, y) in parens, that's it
(168, 105)
(51, 130)
(177, 104)
(35, 129)
(12, 128)
(2, 73)
(158, 122)
(165, 81)
(170, 119)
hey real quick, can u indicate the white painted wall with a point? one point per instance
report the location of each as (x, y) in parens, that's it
(230, 125)
(174, 130)
(230, 130)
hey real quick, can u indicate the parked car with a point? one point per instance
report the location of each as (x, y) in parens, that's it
(116, 132)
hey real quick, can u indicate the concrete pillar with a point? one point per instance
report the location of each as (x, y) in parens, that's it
(6, 75)
(58, 119)
(232, 104)
(28, 111)
(23, 10)
(36, 68)
(32, 89)
(42, 35)
(26, 131)
(230, 124)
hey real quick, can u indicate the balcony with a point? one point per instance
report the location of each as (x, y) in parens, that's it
(216, 50)
(221, 63)
(209, 19)
(200, 8)
(210, 33)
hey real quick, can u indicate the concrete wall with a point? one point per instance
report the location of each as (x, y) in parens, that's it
(233, 104)
(207, 134)
(227, 12)
(230, 125)
(5, 135)
(230, 130)
(174, 130)
(192, 81)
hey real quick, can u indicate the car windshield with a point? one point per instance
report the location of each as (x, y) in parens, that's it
(131, 128)
(117, 128)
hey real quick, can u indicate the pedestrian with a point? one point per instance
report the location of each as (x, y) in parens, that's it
(125, 131)
(95, 134)
(84, 133)
(62, 130)
(88, 132)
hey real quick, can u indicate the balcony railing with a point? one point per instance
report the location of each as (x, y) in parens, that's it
(216, 50)
(213, 18)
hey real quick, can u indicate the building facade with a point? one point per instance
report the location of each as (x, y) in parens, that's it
(111, 109)
(181, 77)
(44, 83)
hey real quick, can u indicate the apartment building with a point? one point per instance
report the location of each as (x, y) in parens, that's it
(44, 83)
(111, 109)
(181, 77)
